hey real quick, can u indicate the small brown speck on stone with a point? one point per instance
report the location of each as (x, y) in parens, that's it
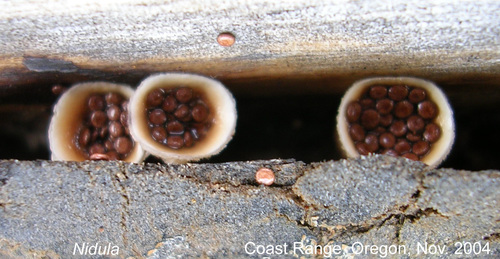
(99, 156)
(265, 176)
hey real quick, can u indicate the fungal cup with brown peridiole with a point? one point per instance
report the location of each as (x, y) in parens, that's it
(182, 117)
(90, 122)
(403, 116)
(178, 117)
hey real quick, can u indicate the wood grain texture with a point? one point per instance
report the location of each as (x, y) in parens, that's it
(447, 41)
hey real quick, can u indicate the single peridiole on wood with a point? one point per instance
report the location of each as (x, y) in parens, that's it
(182, 117)
(90, 122)
(399, 116)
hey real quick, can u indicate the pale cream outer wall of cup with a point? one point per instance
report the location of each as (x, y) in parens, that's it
(68, 116)
(219, 134)
(439, 150)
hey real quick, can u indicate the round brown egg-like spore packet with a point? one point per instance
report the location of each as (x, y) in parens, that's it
(90, 122)
(405, 117)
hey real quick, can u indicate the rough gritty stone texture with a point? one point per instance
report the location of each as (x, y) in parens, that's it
(456, 207)
(352, 193)
(213, 210)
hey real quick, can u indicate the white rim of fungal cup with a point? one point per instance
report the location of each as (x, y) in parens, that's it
(439, 150)
(67, 118)
(219, 134)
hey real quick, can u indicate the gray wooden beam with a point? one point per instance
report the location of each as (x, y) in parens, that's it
(448, 41)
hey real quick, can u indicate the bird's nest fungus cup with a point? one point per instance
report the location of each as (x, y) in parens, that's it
(182, 117)
(399, 116)
(90, 122)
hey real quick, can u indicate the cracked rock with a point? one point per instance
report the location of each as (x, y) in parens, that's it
(351, 192)
(53, 209)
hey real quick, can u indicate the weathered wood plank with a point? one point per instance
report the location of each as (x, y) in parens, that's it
(446, 41)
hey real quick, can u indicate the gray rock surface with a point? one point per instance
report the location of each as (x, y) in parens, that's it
(218, 210)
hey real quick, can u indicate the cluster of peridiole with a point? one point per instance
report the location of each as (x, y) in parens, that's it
(177, 117)
(399, 116)
(184, 117)
(90, 121)
(104, 132)
(395, 120)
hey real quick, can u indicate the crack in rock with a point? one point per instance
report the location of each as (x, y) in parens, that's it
(121, 179)
(215, 210)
